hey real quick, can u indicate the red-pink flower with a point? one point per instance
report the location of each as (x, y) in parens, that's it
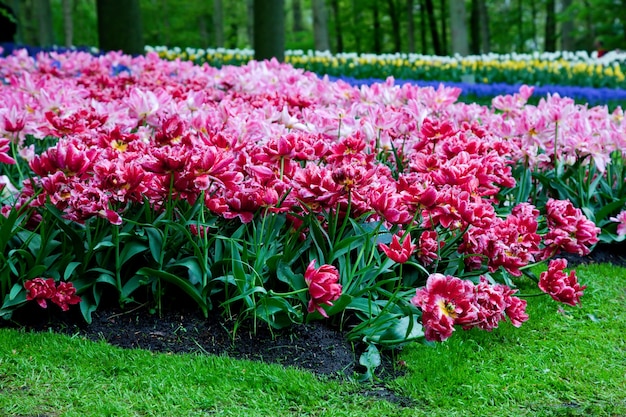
(43, 290)
(495, 303)
(428, 249)
(65, 295)
(40, 290)
(4, 152)
(445, 301)
(397, 251)
(559, 285)
(323, 286)
(569, 229)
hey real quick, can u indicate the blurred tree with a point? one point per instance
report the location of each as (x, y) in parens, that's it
(269, 29)
(43, 22)
(567, 26)
(394, 17)
(119, 26)
(68, 23)
(334, 4)
(410, 25)
(218, 22)
(378, 48)
(432, 22)
(458, 28)
(444, 27)
(320, 25)
(298, 21)
(550, 42)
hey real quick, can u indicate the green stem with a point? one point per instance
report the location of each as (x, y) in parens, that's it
(284, 294)
(116, 242)
(17, 157)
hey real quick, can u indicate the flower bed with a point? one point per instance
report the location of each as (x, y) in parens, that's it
(269, 194)
(557, 68)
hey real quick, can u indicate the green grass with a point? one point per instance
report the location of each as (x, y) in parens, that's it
(563, 362)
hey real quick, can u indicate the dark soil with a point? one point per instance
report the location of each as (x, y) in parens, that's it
(317, 346)
(614, 253)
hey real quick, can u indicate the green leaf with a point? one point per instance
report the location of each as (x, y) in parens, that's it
(194, 270)
(364, 305)
(88, 306)
(155, 241)
(184, 285)
(277, 312)
(15, 290)
(69, 270)
(609, 209)
(131, 249)
(35, 272)
(131, 285)
(286, 275)
(371, 360)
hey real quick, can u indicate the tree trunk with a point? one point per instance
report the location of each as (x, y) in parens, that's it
(298, 22)
(520, 26)
(119, 26)
(250, 21)
(434, 33)
(378, 48)
(423, 27)
(68, 22)
(203, 29)
(338, 32)
(320, 26)
(43, 22)
(395, 25)
(269, 29)
(475, 28)
(567, 27)
(533, 24)
(218, 23)
(550, 45)
(458, 28)
(165, 22)
(485, 36)
(444, 28)
(356, 25)
(410, 27)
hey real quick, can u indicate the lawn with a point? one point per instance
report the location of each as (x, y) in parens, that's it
(565, 361)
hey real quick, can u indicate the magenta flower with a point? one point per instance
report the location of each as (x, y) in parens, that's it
(396, 251)
(569, 229)
(429, 246)
(445, 301)
(4, 152)
(323, 286)
(65, 295)
(43, 290)
(40, 290)
(495, 303)
(559, 285)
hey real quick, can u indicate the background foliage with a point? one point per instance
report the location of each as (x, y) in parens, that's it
(353, 26)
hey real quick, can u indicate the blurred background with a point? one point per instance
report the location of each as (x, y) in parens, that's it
(434, 27)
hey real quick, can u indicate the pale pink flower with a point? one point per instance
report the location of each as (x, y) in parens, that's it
(621, 220)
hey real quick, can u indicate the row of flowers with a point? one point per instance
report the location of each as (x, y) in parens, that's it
(150, 178)
(540, 69)
(578, 75)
